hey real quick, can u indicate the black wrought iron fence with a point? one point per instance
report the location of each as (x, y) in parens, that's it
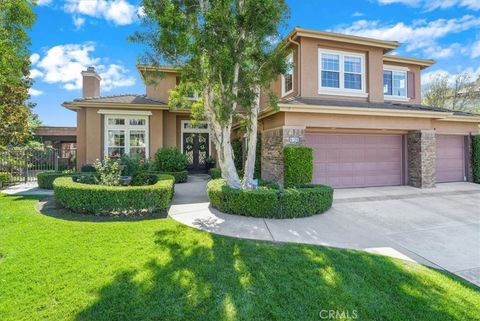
(23, 165)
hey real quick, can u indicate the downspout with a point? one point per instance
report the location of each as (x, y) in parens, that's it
(290, 40)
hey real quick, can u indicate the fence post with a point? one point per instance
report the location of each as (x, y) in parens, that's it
(25, 165)
(55, 153)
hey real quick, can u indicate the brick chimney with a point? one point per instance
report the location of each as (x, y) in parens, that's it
(91, 83)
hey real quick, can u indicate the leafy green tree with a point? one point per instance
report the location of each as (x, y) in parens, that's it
(225, 53)
(16, 17)
(460, 93)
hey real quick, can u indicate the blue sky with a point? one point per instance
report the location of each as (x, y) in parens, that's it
(70, 35)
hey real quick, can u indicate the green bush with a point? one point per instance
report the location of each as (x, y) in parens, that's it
(88, 168)
(134, 164)
(180, 177)
(45, 179)
(4, 178)
(298, 165)
(476, 158)
(143, 178)
(108, 171)
(237, 149)
(302, 201)
(114, 200)
(85, 178)
(215, 173)
(170, 159)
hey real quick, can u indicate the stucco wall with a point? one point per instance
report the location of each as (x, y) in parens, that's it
(160, 89)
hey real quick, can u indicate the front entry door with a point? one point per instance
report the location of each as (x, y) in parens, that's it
(195, 147)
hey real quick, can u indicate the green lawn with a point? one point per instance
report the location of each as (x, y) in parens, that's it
(65, 267)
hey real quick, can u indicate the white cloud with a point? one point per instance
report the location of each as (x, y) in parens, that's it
(120, 12)
(427, 77)
(438, 52)
(34, 92)
(35, 73)
(34, 58)
(421, 34)
(63, 65)
(430, 5)
(357, 14)
(44, 2)
(78, 22)
(475, 50)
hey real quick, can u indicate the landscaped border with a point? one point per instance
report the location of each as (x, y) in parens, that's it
(114, 200)
(305, 200)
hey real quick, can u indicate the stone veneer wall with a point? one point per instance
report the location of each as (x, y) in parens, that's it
(421, 149)
(273, 141)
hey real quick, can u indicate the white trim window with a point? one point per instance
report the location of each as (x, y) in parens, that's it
(126, 134)
(287, 78)
(395, 83)
(341, 73)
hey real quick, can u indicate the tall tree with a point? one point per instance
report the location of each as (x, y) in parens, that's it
(16, 17)
(224, 51)
(462, 93)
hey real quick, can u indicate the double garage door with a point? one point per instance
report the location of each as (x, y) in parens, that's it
(362, 160)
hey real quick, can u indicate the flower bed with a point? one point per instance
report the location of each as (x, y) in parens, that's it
(114, 200)
(271, 202)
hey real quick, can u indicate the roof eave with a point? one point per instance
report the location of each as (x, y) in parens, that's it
(385, 45)
(423, 63)
(75, 105)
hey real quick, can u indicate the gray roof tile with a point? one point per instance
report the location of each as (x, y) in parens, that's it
(123, 99)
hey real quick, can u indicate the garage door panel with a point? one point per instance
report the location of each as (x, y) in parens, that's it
(450, 158)
(353, 160)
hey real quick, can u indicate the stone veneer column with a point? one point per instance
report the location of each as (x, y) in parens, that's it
(421, 149)
(468, 151)
(273, 141)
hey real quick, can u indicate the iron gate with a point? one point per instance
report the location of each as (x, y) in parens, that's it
(24, 164)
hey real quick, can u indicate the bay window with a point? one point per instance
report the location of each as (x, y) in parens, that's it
(341, 72)
(126, 135)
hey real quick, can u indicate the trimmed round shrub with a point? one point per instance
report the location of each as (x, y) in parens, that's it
(170, 159)
(45, 179)
(476, 158)
(304, 200)
(298, 165)
(114, 200)
(180, 177)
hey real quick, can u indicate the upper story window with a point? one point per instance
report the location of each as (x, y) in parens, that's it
(126, 135)
(341, 73)
(287, 78)
(394, 83)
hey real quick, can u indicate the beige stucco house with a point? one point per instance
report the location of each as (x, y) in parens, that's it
(358, 107)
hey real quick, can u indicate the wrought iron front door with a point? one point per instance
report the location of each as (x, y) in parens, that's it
(196, 148)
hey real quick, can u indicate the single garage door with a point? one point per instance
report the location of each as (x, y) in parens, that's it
(450, 158)
(356, 160)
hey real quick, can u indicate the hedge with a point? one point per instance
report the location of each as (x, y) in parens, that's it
(114, 200)
(45, 179)
(4, 178)
(476, 158)
(302, 201)
(215, 173)
(180, 177)
(298, 165)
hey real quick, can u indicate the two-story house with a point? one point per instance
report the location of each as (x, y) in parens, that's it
(356, 106)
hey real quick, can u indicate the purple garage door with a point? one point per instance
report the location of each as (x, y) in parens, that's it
(356, 160)
(450, 158)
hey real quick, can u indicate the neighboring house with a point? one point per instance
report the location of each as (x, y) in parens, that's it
(355, 105)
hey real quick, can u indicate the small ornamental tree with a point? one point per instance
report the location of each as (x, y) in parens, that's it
(226, 52)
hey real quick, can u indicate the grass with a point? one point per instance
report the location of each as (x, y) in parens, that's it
(61, 266)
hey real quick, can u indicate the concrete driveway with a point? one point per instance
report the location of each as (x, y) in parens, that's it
(438, 227)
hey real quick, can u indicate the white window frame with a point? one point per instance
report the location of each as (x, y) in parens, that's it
(196, 130)
(127, 128)
(290, 61)
(397, 69)
(342, 91)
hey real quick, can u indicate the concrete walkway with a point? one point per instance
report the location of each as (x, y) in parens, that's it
(30, 188)
(438, 227)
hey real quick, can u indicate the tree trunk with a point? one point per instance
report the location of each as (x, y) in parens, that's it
(221, 139)
(252, 138)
